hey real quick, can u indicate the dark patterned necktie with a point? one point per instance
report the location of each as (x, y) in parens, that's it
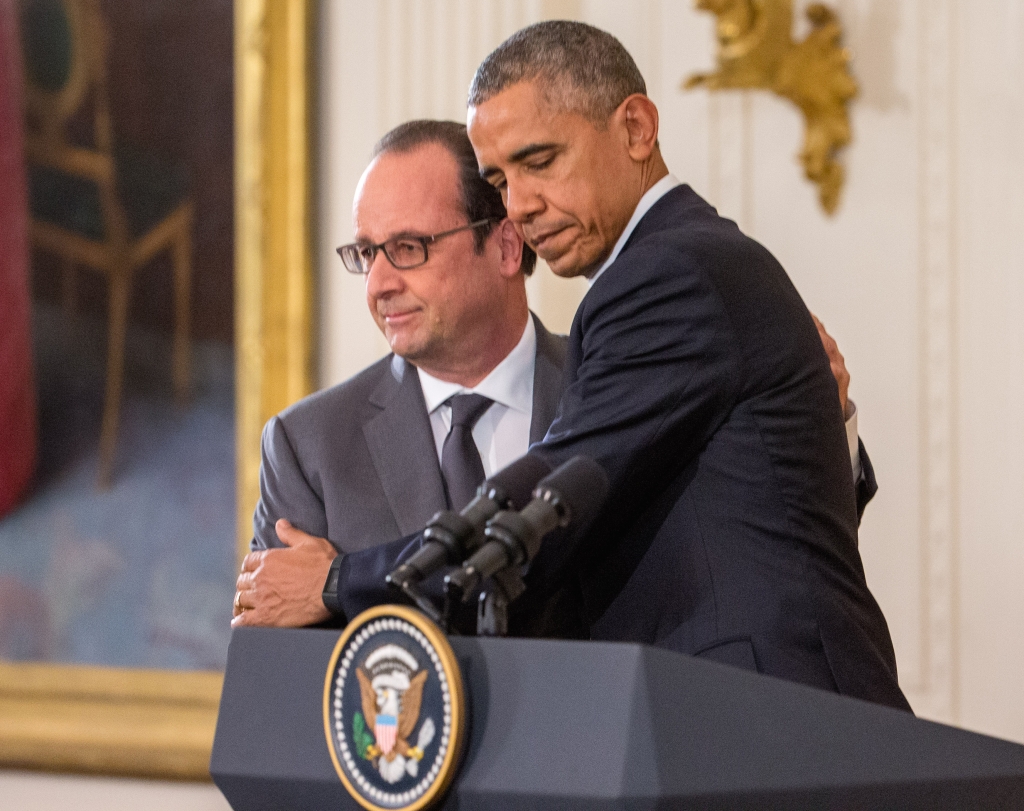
(461, 467)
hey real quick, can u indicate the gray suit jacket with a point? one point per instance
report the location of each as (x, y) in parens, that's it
(357, 464)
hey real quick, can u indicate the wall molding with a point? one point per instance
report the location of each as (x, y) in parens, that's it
(937, 692)
(731, 156)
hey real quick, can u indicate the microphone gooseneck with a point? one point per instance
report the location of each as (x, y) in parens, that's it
(450, 537)
(572, 494)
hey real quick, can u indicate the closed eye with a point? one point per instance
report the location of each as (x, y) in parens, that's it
(541, 164)
(496, 179)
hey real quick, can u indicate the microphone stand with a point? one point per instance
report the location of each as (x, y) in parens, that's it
(492, 607)
(442, 618)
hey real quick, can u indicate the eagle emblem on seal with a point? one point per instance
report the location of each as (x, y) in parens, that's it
(391, 688)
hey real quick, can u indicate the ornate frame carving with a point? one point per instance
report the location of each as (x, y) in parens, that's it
(161, 723)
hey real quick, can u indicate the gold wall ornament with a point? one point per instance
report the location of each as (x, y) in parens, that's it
(756, 50)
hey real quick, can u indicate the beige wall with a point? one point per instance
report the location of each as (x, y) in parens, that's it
(919, 276)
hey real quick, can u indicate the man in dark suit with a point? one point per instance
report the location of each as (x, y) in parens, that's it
(357, 465)
(694, 376)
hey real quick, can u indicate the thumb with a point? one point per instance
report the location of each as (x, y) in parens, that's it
(286, 533)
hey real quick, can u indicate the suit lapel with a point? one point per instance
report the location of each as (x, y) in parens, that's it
(547, 380)
(401, 445)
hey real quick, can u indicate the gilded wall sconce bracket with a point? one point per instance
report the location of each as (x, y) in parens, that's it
(756, 50)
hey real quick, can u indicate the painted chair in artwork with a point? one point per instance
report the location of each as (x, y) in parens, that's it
(99, 204)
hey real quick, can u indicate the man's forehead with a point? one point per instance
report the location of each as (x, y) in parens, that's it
(522, 103)
(400, 192)
(516, 122)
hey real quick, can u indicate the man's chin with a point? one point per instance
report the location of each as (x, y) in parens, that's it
(566, 265)
(411, 350)
(401, 345)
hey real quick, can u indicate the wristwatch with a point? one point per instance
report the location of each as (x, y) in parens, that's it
(330, 592)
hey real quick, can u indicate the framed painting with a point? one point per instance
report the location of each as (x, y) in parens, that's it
(78, 708)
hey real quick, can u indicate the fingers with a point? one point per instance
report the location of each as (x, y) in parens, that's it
(246, 608)
(246, 581)
(266, 609)
(249, 617)
(252, 561)
(835, 357)
(240, 604)
(836, 361)
(292, 536)
(827, 341)
(245, 594)
(287, 534)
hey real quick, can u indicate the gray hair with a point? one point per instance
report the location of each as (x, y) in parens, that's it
(582, 69)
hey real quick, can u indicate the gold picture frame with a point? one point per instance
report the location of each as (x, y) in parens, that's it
(160, 723)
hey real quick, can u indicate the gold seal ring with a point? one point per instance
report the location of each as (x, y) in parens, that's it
(238, 601)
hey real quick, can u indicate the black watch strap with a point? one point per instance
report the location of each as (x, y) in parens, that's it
(330, 592)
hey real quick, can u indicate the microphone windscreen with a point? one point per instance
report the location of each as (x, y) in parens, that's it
(517, 480)
(582, 486)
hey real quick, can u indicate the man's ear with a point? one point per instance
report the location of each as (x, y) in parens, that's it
(639, 117)
(511, 244)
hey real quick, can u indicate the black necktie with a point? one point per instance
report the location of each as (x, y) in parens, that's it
(460, 460)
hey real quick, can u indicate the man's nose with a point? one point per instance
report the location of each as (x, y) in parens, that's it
(383, 278)
(522, 200)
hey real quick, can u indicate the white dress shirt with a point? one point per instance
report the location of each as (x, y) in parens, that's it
(852, 438)
(502, 434)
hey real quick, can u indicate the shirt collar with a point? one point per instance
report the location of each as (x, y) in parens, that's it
(510, 383)
(651, 196)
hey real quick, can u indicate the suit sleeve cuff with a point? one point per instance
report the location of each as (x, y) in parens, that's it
(852, 439)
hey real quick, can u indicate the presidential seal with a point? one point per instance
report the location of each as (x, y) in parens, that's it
(394, 709)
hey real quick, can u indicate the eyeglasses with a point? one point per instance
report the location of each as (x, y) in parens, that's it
(402, 252)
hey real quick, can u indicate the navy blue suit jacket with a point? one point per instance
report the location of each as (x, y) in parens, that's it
(696, 377)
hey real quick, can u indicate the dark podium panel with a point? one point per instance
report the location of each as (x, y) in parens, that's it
(587, 725)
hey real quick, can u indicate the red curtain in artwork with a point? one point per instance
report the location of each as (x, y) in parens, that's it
(17, 388)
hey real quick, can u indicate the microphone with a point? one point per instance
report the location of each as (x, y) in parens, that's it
(573, 493)
(450, 537)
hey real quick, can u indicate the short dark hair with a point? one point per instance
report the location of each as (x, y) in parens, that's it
(583, 69)
(479, 198)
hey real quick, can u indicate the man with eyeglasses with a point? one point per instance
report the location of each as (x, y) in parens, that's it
(473, 379)
(372, 459)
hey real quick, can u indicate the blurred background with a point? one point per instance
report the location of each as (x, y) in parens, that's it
(121, 549)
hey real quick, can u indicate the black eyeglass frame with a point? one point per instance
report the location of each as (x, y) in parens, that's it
(357, 249)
